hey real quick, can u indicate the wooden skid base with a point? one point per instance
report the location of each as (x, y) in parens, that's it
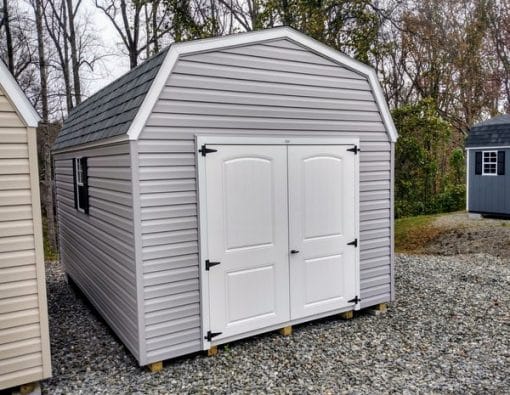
(286, 331)
(212, 351)
(378, 309)
(347, 315)
(155, 367)
(29, 388)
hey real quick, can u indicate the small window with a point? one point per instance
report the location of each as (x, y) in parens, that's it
(490, 163)
(81, 190)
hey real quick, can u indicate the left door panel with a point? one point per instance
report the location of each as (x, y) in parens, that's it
(247, 232)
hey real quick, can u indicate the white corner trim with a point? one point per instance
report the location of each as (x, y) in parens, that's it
(178, 49)
(467, 180)
(13, 91)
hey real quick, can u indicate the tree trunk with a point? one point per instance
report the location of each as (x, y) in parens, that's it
(42, 60)
(131, 39)
(155, 6)
(8, 38)
(47, 196)
(74, 52)
(147, 31)
(47, 184)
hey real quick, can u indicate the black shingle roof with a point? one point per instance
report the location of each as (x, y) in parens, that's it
(110, 111)
(491, 133)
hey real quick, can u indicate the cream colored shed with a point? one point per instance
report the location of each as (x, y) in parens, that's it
(24, 339)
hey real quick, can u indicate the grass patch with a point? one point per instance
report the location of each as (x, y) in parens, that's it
(412, 234)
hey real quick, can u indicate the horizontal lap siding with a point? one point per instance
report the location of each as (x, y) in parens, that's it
(273, 89)
(489, 194)
(21, 344)
(98, 249)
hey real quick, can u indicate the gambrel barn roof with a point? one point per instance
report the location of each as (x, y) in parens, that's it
(25, 109)
(122, 107)
(494, 132)
(110, 111)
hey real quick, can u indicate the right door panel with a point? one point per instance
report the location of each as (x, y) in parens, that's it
(322, 222)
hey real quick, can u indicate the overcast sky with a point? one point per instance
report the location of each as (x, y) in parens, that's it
(112, 66)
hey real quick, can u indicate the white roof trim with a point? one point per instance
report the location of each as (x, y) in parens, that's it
(13, 91)
(489, 147)
(247, 38)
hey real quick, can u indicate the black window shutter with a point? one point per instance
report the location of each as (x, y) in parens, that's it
(74, 183)
(85, 168)
(501, 163)
(478, 163)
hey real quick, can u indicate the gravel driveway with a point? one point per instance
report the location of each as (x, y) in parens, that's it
(449, 330)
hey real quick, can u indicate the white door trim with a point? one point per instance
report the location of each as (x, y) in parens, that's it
(263, 140)
(202, 211)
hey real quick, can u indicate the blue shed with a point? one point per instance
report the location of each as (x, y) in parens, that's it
(488, 152)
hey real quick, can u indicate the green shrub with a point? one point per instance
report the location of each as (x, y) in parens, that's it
(429, 168)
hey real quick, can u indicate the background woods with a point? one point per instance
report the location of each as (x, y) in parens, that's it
(443, 64)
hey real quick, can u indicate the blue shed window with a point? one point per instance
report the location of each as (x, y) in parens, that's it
(490, 163)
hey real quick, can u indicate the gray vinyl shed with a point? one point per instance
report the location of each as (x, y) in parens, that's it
(228, 187)
(488, 157)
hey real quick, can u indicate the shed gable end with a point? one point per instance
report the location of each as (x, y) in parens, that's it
(24, 342)
(272, 88)
(276, 85)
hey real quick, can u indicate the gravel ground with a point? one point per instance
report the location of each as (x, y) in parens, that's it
(448, 331)
(461, 234)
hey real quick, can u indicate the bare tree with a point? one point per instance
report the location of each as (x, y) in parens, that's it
(8, 37)
(43, 74)
(54, 18)
(499, 22)
(71, 17)
(47, 182)
(129, 32)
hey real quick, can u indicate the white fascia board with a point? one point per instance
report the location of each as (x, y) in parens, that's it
(13, 91)
(189, 47)
(492, 147)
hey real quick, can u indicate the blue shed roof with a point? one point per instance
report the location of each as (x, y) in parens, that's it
(494, 132)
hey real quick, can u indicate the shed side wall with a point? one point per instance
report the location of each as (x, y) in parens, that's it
(489, 194)
(98, 250)
(24, 342)
(274, 89)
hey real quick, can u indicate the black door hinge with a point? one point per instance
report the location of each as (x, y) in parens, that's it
(210, 335)
(354, 149)
(209, 264)
(356, 300)
(204, 150)
(353, 243)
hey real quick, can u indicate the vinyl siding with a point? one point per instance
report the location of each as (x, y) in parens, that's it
(489, 194)
(274, 89)
(98, 250)
(24, 341)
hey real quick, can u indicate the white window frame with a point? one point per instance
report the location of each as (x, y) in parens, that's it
(79, 181)
(495, 163)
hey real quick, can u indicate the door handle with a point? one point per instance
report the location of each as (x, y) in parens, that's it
(294, 251)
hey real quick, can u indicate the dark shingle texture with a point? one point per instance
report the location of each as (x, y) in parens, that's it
(110, 111)
(491, 133)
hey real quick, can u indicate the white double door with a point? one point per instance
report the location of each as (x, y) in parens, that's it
(279, 222)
